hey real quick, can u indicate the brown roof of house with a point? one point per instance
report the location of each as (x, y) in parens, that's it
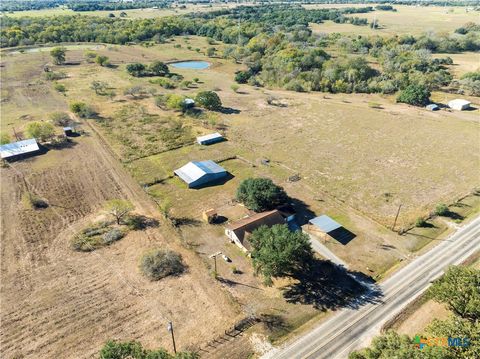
(249, 224)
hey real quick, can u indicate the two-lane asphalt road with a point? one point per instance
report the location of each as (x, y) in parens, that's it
(350, 329)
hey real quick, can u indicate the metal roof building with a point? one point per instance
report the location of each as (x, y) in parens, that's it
(459, 104)
(19, 148)
(210, 138)
(196, 174)
(325, 223)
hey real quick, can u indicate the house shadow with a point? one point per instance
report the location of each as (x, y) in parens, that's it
(327, 286)
(342, 235)
(220, 220)
(218, 182)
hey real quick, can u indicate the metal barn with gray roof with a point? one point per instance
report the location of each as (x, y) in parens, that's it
(19, 148)
(196, 174)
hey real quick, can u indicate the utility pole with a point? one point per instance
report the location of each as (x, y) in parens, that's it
(170, 329)
(396, 217)
(214, 256)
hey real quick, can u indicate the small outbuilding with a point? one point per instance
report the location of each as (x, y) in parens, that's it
(459, 104)
(196, 174)
(210, 138)
(69, 131)
(325, 227)
(19, 149)
(189, 103)
(210, 216)
(432, 107)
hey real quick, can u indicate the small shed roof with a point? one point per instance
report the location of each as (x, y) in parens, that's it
(18, 148)
(209, 137)
(432, 107)
(458, 103)
(194, 170)
(325, 223)
(189, 101)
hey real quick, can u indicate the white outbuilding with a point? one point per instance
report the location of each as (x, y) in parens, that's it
(19, 148)
(459, 104)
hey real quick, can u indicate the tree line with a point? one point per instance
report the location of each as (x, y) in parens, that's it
(274, 54)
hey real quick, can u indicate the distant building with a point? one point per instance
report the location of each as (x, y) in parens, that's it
(459, 104)
(239, 231)
(19, 149)
(189, 103)
(68, 131)
(209, 139)
(196, 174)
(432, 107)
(323, 225)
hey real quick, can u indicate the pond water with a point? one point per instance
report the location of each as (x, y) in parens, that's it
(191, 65)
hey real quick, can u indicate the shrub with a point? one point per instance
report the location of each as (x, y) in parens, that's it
(40, 130)
(136, 69)
(159, 264)
(60, 88)
(417, 95)
(165, 83)
(113, 235)
(175, 102)
(102, 60)
(54, 76)
(60, 118)
(82, 110)
(97, 235)
(441, 209)
(235, 88)
(33, 201)
(4, 138)
(158, 68)
(260, 194)
(209, 100)
(242, 77)
(420, 222)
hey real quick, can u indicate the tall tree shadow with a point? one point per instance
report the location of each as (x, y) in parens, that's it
(328, 286)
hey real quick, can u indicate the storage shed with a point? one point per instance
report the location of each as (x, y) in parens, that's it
(326, 228)
(68, 131)
(325, 223)
(210, 138)
(196, 174)
(432, 107)
(19, 148)
(459, 104)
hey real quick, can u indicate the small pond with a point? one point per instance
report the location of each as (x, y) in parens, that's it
(191, 65)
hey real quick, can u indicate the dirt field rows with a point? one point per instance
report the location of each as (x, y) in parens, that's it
(60, 303)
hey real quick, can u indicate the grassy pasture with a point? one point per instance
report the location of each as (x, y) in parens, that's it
(406, 20)
(351, 156)
(131, 13)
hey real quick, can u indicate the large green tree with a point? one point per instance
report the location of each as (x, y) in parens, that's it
(260, 194)
(459, 289)
(209, 100)
(279, 252)
(58, 55)
(158, 68)
(413, 94)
